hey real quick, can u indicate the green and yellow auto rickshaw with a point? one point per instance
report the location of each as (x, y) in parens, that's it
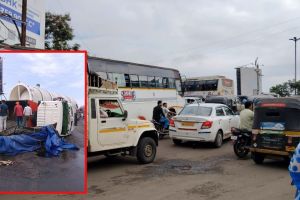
(276, 128)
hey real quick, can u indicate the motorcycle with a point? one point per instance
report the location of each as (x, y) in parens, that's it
(158, 126)
(241, 142)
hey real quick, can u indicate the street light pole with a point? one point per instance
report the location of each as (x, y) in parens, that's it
(295, 39)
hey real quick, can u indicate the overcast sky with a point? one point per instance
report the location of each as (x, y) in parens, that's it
(61, 73)
(198, 37)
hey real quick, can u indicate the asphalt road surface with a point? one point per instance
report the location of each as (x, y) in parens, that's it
(33, 173)
(184, 172)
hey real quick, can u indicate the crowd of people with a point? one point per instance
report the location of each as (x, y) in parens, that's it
(22, 115)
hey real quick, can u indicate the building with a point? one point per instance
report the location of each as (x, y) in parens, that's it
(35, 28)
(248, 81)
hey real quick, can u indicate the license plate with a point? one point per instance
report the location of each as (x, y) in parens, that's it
(233, 137)
(187, 124)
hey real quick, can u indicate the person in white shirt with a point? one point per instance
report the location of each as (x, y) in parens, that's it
(165, 109)
(27, 113)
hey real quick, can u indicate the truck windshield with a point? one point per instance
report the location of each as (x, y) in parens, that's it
(196, 110)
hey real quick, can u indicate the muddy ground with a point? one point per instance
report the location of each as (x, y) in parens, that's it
(185, 172)
(33, 173)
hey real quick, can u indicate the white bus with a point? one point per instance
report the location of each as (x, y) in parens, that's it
(141, 86)
(209, 85)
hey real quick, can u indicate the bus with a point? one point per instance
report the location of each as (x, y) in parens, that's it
(209, 85)
(140, 86)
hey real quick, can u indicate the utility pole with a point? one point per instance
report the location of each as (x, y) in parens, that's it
(258, 75)
(295, 39)
(24, 16)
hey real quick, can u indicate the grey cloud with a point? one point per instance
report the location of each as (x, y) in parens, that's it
(200, 37)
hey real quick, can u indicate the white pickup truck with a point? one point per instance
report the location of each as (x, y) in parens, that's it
(110, 132)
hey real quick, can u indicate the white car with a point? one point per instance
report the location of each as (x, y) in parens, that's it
(207, 122)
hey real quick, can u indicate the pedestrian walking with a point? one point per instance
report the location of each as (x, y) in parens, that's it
(3, 115)
(27, 115)
(18, 112)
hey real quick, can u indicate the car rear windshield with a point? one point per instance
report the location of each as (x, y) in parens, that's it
(196, 110)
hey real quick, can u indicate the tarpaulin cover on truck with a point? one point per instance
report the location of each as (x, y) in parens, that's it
(46, 138)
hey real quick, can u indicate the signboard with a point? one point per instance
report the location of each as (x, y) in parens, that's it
(128, 95)
(35, 34)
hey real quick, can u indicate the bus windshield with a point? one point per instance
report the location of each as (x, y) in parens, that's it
(202, 85)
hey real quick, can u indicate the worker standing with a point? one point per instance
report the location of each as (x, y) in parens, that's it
(18, 112)
(27, 115)
(3, 115)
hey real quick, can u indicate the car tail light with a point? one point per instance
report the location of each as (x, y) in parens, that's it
(206, 125)
(290, 140)
(172, 123)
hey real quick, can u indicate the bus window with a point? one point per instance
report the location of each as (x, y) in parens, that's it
(134, 79)
(178, 86)
(102, 75)
(143, 81)
(110, 77)
(127, 80)
(119, 79)
(211, 85)
(151, 81)
(93, 109)
(165, 82)
(158, 81)
(171, 83)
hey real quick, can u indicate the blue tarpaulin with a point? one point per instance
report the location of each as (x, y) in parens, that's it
(53, 144)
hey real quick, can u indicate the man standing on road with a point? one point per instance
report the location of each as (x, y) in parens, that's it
(246, 117)
(27, 114)
(18, 112)
(3, 115)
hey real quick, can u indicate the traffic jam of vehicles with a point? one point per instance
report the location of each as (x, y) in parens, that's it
(133, 107)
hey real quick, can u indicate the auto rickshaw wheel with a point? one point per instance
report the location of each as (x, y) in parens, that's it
(258, 158)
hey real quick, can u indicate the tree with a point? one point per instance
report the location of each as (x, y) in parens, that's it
(286, 88)
(282, 90)
(58, 32)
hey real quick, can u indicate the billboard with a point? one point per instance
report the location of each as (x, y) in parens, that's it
(35, 34)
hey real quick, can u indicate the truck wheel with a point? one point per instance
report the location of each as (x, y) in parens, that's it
(146, 150)
(219, 139)
(177, 142)
(258, 158)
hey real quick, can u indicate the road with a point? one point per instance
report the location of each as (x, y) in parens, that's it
(33, 173)
(198, 172)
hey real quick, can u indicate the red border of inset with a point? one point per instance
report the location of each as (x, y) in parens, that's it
(85, 191)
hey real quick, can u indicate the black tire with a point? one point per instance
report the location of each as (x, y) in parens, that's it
(240, 150)
(177, 142)
(219, 139)
(258, 158)
(146, 150)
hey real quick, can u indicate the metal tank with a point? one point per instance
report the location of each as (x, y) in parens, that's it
(22, 91)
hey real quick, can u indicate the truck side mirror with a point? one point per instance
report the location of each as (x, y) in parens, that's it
(125, 115)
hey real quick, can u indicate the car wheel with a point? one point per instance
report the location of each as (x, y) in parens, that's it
(258, 158)
(177, 142)
(219, 139)
(146, 150)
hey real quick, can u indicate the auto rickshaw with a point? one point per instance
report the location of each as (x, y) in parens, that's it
(276, 128)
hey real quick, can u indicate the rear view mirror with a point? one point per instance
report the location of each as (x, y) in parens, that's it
(125, 115)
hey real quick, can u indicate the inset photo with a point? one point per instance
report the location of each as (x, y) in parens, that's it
(42, 129)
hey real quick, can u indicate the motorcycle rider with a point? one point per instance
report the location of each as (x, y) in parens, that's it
(159, 116)
(247, 117)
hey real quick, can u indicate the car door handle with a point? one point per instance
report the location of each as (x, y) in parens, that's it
(103, 121)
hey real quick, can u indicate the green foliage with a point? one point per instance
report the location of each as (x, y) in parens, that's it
(58, 32)
(286, 88)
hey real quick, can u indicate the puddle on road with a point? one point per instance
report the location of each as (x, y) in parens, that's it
(187, 167)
